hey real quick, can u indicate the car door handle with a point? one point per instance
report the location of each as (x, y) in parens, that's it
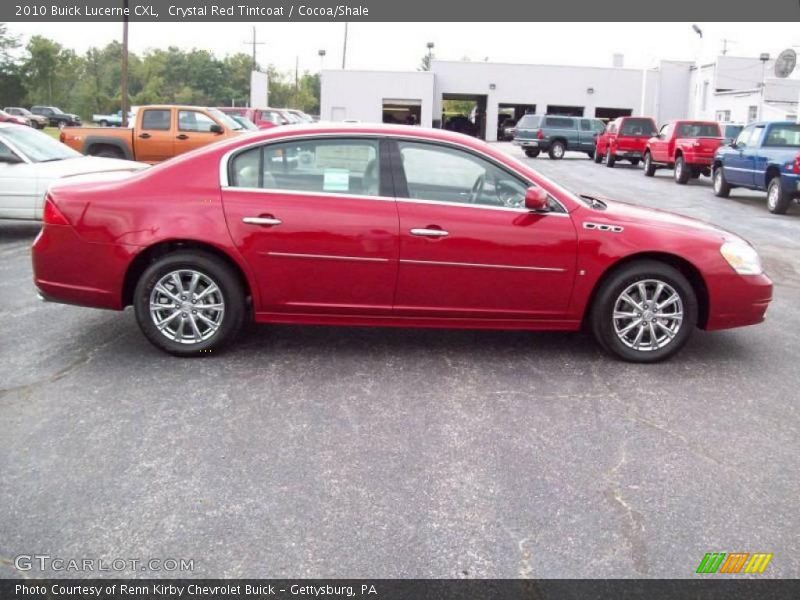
(427, 232)
(144, 136)
(268, 221)
(182, 136)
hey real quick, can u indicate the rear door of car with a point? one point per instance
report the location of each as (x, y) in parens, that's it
(154, 139)
(316, 220)
(468, 247)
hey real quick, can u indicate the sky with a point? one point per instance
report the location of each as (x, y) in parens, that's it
(400, 46)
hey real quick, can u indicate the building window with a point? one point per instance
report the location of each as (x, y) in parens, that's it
(723, 116)
(752, 113)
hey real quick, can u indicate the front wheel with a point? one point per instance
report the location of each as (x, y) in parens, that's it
(611, 160)
(722, 188)
(532, 152)
(649, 167)
(189, 303)
(103, 123)
(557, 151)
(778, 200)
(598, 158)
(682, 172)
(645, 312)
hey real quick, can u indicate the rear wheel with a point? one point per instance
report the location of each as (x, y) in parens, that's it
(611, 160)
(778, 200)
(557, 150)
(649, 167)
(682, 172)
(532, 152)
(103, 123)
(107, 152)
(598, 158)
(722, 188)
(590, 154)
(61, 124)
(645, 312)
(189, 303)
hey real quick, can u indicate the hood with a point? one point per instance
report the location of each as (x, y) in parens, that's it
(82, 165)
(625, 213)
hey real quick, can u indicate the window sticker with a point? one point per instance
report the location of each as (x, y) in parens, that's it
(336, 180)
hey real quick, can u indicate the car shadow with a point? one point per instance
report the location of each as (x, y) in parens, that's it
(14, 231)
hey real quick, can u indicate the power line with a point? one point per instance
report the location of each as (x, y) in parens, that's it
(254, 43)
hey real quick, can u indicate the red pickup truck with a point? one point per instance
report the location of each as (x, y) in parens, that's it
(624, 138)
(686, 146)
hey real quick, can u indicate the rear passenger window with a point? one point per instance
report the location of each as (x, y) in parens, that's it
(331, 166)
(156, 120)
(560, 122)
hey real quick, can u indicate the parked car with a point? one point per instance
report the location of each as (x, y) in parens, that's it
(386, 226)
(246, 123)
(686, 146)
(730, 131)
(31, 160)
(109, 120)
(56, 117)
(556, 134)
(506, 130)
(158, 133)
(7, 118)
(624, 138)
(299, 115)
(765, 156)
(37, 121)
(461, 124)
(264, 118)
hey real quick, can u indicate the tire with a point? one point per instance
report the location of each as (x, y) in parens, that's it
(590, 154)
(61, 124)
(211, 270)
(682, 172)
(611, 160)
(108, 152)
(557, 150)
(635, 162)
(611, 333)
(649, 167)
(778, 200)
(722, 189)
(598, 158)
(532, 152)
(103, 123)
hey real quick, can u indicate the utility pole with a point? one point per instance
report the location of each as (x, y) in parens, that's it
(344, 51)
(254, 43)
(725, 43)
(124, 84)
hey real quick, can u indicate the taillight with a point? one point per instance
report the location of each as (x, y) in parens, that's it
(62, 137)
(539, 134)
(796, 165)
(53, 216)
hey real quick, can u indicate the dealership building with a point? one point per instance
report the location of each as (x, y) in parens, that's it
(729, 89)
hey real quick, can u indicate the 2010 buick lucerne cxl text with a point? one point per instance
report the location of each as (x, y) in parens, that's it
(385, 226)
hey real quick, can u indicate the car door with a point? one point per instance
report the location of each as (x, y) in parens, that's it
(18, 185)
(739, 163)
(317, 224)
(586, 135)
(194, 130)
(468, 247)
(154, 139)
(659, 145)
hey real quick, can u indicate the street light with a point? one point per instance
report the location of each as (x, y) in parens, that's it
(430, 53)
(321, 53)
(764, 58)
(699, 69)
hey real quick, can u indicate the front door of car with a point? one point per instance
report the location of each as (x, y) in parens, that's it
(738, 162)
(194, 131)
(317, 224)
(586, 134)
(659, 145)
(18, 186)
(468, 247)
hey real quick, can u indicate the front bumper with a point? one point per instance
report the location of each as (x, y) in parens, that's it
(738, 300)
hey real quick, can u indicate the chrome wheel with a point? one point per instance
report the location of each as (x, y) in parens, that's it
(187, 306)
(679, 169)
(648, 315)
(718, 180)
(558, 151)
(773, 195)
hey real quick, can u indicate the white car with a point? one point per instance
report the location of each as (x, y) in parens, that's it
(31, 160)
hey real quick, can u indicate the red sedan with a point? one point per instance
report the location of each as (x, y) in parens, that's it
(385, 226)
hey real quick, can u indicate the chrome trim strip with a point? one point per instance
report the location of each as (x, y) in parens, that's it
(603, 227)
(484, 207)
(740, 169)
(480, 265)
(326, 257)
(300, 193)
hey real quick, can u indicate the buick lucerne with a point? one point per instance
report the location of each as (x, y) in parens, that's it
(375, 225)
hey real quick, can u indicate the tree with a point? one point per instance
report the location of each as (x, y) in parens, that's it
(12, 89)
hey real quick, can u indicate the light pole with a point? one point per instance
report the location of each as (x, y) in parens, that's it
(321, 53)
(699, 69)
(430, 54)
(344, 49)
(764, 58)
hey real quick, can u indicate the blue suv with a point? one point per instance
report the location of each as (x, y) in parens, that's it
(764, 156)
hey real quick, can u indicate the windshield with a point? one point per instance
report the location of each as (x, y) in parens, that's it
(225, 119)
(643, 127)
(245, 122)
(36, 146)
(292, 118)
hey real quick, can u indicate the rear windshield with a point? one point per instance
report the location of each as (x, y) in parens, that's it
(529, 122)
(644, 127)
(698, 130)
(784, 135)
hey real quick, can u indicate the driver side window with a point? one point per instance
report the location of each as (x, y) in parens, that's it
(744, 136)
(444, 174)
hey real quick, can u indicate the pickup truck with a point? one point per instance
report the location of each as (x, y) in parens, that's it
(686, 146)
(764, 156)
(158, 133)
(624, 138)
(556, 134)
(115, 119)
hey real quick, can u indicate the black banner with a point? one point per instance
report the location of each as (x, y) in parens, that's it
(407, 10)
(395, 589)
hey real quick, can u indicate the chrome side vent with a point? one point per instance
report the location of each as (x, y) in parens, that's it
(603, 227)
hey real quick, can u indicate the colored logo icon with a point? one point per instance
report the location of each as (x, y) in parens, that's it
(732, 563)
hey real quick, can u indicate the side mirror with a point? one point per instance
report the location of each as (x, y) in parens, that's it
(536, 199)
(216, 129)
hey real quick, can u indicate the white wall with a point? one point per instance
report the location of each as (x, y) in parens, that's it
(359, 95)
(674, 91)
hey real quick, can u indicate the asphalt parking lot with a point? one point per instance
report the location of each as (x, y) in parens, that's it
(316, 452)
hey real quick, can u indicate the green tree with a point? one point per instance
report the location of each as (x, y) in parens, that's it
(12, 88)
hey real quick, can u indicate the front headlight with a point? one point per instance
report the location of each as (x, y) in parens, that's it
(742, 257)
